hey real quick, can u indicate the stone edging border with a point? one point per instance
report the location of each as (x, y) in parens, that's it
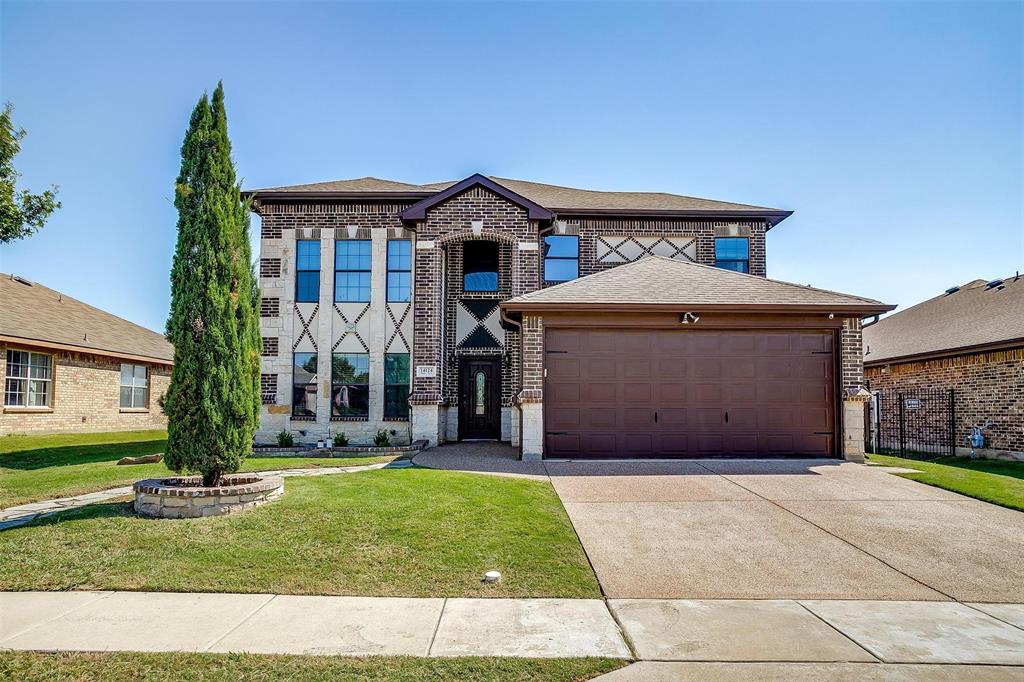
(263, 450)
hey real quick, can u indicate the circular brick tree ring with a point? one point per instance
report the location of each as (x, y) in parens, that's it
(184, 497)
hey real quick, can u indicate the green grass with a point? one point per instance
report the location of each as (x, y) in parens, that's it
(181, 667)
(991, 480)
(36, 468)
(390, 532)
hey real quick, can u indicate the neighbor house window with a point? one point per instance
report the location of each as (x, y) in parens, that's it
(561, 258)
(352, 271)
(732, 253)
(350, 385)
(304, 385)
(134, 387)
(400, 270)
(307, 271)
(396, 386)
(29, 381)
(479, 266)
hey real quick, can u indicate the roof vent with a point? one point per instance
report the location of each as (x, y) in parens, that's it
(22, 280)
(994, 284)
(952, 290)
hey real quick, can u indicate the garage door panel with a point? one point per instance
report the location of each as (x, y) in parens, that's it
(601, 392)
(562, 392)
(776, 386)
(603, 368)
(563, 367)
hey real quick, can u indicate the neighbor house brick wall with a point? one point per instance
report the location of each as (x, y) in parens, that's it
(86, 397)
(988, 387)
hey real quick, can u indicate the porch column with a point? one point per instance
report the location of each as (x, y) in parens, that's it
(531, 397)
(854, 403)
(427, 409)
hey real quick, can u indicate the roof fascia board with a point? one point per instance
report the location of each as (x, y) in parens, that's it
(418, 211)
(851, 310)
(772, 217)
(51, 345)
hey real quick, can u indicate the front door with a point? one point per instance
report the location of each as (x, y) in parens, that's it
(479, 398)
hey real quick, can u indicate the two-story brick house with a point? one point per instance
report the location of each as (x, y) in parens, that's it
(568, 322)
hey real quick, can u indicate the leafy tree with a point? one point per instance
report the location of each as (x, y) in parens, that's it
(213, 402)
(21, 213)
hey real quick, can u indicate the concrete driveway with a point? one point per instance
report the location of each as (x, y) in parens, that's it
(793, 529)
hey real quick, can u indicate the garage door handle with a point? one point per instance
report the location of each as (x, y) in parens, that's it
(727, 417)
(655, 416)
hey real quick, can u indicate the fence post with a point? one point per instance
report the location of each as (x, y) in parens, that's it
(952, 423)
(899, 398)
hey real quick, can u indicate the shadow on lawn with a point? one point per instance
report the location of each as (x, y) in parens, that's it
(988, 466)
(40, 458)
(99, 510)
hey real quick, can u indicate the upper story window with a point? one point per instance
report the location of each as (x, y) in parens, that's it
(307, 271)
(732, 253)
(29, 381)
(352, 271)
(134, 387)
(400, 270)
(561, 258)
(479, 266)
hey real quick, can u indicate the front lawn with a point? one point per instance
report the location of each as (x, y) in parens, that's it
(390, 532)
(181, 667)
(991, 480)
(36, 468)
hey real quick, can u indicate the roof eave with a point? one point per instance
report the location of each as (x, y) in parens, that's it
(90, 350)
(850, 310)
(945, 353)
(772, 217)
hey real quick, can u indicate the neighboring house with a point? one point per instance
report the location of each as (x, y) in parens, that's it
(569, 322)
(69, 367)
(969, 339)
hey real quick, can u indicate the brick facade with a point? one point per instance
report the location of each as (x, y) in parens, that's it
(86, 397)
(989, 387)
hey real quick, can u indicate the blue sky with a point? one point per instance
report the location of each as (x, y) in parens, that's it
(893, 129)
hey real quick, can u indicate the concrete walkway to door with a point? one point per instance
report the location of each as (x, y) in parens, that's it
(772, 529)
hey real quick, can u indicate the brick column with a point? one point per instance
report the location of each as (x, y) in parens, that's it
(854, 395)
(426, 403)
(531, 397)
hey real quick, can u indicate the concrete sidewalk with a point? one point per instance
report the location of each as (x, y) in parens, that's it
(778, 631)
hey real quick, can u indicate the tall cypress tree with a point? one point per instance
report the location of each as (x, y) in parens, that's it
(213, 402)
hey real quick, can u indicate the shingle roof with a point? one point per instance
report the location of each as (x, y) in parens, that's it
(37, 313)
(554, 197)
(661, 281)
(973, 315)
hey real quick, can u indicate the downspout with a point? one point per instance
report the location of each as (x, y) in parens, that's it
(519, 327)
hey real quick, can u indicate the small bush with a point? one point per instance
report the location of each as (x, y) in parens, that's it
(285, 439)
(382, 439)
(340, 440)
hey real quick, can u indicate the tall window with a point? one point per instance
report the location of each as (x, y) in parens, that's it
(479, 266)
(350, 385)
(561, 258)
(396, 386)
(732, 253)
(400, 270)
(29, 381)
(134, 386)
(304, 385)
(307, 271)
(352, 271)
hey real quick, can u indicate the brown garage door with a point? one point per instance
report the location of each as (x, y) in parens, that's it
(684, 393)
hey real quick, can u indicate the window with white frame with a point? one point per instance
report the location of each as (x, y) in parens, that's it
(29, 381)
(134, 387)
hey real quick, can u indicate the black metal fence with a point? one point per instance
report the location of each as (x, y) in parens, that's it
(919, 424)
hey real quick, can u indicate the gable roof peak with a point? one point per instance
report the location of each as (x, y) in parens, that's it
(534, 211)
